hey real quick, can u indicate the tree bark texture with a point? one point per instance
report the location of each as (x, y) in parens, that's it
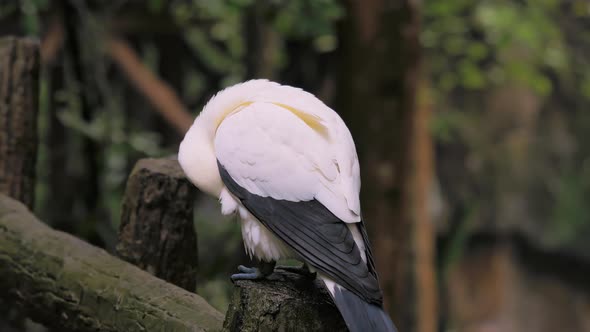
(63, 282)
(283, 302)
(376, 95)
(157, 232)
(19, 91)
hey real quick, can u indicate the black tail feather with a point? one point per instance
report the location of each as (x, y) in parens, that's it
(359, 315)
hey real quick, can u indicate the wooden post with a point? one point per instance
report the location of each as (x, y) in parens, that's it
(156, 231)
(19, 90)
(283, 302)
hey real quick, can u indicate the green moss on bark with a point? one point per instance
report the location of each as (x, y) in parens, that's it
(63, 282)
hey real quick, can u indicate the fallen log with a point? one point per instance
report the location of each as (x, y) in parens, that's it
(65, 283)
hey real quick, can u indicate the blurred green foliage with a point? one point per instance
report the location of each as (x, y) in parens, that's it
(476, 47)
(490, 43)
(221, 42)
(30, 15)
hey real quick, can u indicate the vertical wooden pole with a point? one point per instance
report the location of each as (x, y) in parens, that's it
(423, 231)
(157, 232)
(19, 97)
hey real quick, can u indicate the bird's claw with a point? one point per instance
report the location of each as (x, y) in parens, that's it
(247, 273)
(252, 273)
(245, 269)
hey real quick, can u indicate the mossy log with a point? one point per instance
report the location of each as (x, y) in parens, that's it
(65, 283)
(283, 302)
(157, 231)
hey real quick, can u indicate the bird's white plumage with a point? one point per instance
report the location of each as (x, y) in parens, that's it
(275, 141)
(270, 151)
(259, 241)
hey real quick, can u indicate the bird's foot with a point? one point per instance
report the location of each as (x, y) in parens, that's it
(253, 273)
(247, 273)
(301, 270)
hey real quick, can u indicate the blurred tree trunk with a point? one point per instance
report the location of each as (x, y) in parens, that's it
(58, 210)
(74, 166)
(379, 79)
(19, 99)
(262, 42)
(419, 186)
(89, 100)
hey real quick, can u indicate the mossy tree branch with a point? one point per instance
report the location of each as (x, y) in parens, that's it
(63, 282)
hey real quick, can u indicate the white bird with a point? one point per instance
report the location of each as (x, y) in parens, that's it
(287, 164)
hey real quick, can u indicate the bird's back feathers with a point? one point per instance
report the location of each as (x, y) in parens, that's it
(271, 152)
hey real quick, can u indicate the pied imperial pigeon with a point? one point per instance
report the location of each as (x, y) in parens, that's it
(287, 165)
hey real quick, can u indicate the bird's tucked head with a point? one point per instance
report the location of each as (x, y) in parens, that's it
(196, 154)
(197, 159)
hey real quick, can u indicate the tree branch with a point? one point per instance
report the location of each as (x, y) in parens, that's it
(53, 41)
(63, 282)
(155, 90)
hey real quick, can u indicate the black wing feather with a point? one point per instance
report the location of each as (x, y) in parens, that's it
(368, 251)
(317, 235)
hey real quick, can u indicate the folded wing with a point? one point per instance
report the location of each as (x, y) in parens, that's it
(297, 182)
